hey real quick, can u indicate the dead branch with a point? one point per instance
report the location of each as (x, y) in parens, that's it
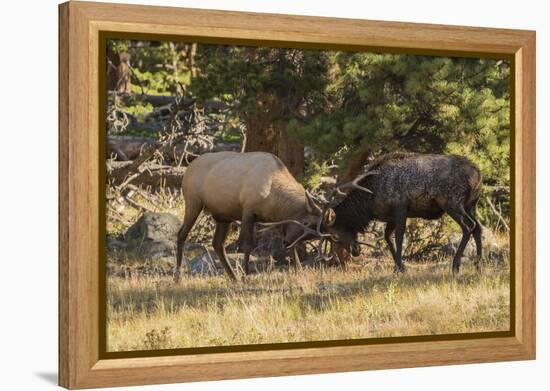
(154, 175)
(137, 205)
(496, 212)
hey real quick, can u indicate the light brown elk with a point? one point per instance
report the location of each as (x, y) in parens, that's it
(248, 187)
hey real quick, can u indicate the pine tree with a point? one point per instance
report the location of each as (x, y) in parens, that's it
(265, 88)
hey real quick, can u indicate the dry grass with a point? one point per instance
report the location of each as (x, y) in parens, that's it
(312, 305)
(150, 312)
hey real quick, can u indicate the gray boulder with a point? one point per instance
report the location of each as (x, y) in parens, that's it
(491, 248)
(204, 265)
(153, 235)
(207, 263)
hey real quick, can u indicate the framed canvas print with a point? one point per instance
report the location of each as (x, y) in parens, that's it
(247, 195)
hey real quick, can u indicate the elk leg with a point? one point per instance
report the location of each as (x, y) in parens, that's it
(390, 227)
(477, 230)
(247, 234)
(467, 225)
(476, 233)
(192, 211)
(222, 228)
(477, 238)
(400, 223)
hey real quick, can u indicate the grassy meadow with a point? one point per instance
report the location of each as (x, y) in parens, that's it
(315, 304)
(183, 99)
(146, 310)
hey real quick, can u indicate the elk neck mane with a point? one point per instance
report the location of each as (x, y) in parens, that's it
(353, 212)
(354, 205)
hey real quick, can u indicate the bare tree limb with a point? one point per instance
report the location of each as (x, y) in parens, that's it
(496, 212)
(154, 175)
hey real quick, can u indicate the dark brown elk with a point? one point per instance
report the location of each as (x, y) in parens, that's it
(402, 185)
(253, 187)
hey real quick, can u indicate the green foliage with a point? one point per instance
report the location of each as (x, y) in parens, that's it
(383, 102)
(334, 101)
(232, 135)
(158, 68)
(279, 83)
(118, 46)
(154, 83)
(162, 66)
(313, 173)
(418, 103)
(139, 108)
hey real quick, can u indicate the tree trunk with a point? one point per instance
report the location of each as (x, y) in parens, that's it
(265, 134)
(118, 72)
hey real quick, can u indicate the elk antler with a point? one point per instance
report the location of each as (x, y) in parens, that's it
(346, 188)
(343, 190)
(307, 230)
(324, 238)
(330, 202)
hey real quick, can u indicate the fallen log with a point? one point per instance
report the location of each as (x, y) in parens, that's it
(163, 100)
(149, 127)
(150, 175)
(131, 147)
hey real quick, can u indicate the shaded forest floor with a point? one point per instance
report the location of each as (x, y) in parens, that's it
(368, 300)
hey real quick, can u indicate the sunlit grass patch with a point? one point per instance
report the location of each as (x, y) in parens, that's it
(152, 312)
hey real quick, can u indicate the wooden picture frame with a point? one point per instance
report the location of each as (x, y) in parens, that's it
(80, 27)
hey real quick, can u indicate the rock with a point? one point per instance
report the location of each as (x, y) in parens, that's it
(208, 264)
(270, 244)
(491, 248)
(308, 152)
(115, 244)
(204, 265)
(153, 235)
(449, 249)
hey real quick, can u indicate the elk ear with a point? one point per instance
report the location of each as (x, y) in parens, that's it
(331, 217)
(312, 207)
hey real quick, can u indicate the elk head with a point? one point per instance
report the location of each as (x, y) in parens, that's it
(303, 227)
(317, 223)
(342, 242)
